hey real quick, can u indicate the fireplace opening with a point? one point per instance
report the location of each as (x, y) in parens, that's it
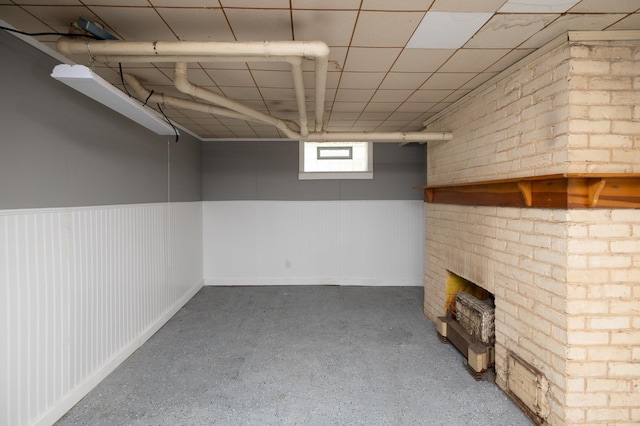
(469, 324)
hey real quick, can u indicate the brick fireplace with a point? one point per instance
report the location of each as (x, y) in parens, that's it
(566, 279)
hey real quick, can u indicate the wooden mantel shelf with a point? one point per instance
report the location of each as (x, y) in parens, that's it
(562, 191)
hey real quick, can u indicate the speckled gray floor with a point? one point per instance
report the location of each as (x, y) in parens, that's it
(296, 355)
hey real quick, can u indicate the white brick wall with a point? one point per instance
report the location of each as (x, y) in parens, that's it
(530, 317)
(565, 281)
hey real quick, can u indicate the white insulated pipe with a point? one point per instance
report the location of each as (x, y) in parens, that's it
(183, 84)
(378, 136)
(161, 98)
(298, 84)
(292, 52)
(262, 49)
(393, 137)
(202, 51)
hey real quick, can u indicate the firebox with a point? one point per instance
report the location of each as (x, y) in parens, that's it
(469, 323)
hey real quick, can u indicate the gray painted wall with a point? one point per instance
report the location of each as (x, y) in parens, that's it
(268, 170)
(59, 148)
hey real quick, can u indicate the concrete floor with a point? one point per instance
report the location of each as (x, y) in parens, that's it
(296, 355)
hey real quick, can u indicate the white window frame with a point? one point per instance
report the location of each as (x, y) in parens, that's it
(305, 175)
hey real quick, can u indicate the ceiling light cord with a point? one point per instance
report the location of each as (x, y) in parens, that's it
(48, 33)
(169, 121)
(148, 97)
(122, 80)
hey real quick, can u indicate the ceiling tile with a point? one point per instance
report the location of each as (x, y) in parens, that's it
(125, 21)
(218, 65)
(368, 32)
(466, 5)
(381, 107)
(197, 24)
(539, 6)
(41, 2)
(153, 76)
(509, 30)
(274, 94)
(277, 79)
(269, 66)
(456, 95)
(348, 106)
(116, 3)
(282, 106)
(631, 22)
(507, 60)
(429, 95)
(404, 116)
(378, 79)
(404, 80)
(421, 60)
(259, 4)
(439, 106)
(392, 95)
(339, 126)
(594, 22)
(170, 90)
(370, 58)
(609, 6)
(333, 27)
(58, 18)
(447, 30)
(397, 5)
(183, 3)
(210, 121)
(347, 116)
(337, 56)
(415, 106)
(441, 80)
(379, 116)
(237, 78)
(241, 93)
(478, 80)
(197, 76)
(469, 60)
(366, 124)
(354, 95)
(243, 24)
(310, 76)
(326, 4)
(361, 80)
(24, 21)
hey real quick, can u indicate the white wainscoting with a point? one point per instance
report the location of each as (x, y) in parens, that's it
(313, 242)
(80, 290)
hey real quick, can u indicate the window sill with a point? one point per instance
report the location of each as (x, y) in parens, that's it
(334, 175)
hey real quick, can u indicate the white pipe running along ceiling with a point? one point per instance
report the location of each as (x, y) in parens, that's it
(183, 52)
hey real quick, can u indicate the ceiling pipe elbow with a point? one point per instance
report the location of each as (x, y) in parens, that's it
(391, 137)
(183, 84)
(163, 99)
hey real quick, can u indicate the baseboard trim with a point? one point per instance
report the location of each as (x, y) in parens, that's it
(365, 282)
(73, 397)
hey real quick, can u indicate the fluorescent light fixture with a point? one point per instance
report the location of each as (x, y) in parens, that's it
(447, 30)
(85, 81)
(538, 6)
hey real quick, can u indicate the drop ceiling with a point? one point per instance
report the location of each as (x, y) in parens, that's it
(387, 72)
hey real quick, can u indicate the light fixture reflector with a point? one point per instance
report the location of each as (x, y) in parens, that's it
(87, 82)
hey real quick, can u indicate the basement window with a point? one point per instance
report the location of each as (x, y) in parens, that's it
(336, 160)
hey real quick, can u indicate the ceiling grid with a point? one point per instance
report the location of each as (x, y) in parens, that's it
(388, 71)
